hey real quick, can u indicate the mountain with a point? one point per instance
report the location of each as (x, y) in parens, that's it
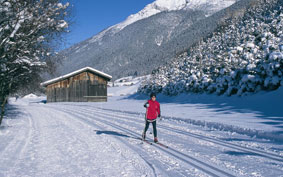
(243, 56)
(149, 38)
(207, 6)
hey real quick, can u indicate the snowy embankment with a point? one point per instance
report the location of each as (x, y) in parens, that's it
(259, 115)
(102, 139)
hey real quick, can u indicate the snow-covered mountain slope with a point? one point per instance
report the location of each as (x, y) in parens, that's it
(159, 6)
(149, 38)
(244, 56)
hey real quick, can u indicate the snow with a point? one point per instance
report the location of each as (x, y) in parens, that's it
(214, 6)
(170, 5)
(251, 115)
(207, 135)
(153, 9)
(252, 62)
(248, 77)
(74, 73)
(17, 27)
(158, 6)
(60, 5)
(125, 86)
(276, 56)
(250, 45)
(62, 24)
(30, 96)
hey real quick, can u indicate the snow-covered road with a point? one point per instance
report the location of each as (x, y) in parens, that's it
(86, 139)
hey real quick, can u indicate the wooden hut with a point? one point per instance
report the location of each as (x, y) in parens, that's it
(84, 85)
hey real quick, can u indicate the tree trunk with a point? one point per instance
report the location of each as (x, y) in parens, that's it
(3, 109)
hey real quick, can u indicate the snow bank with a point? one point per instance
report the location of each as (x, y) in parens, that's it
(126, 86)
(259, 115)
(29, 96)
(28, 99)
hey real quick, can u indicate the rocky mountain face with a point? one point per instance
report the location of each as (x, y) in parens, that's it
(150, 38)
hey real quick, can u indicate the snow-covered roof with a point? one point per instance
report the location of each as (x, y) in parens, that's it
(75, 73)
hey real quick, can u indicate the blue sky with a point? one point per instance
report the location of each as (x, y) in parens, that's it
(93, 16)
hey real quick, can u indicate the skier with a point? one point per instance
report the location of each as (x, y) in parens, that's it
(17, 96)
(152, 112)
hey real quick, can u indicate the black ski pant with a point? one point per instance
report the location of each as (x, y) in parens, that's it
(153, 125)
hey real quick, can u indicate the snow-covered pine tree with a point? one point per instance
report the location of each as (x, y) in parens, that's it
(243, 55)
(29, 33)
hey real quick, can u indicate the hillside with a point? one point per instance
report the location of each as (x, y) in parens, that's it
(244, 55)
(139, 46)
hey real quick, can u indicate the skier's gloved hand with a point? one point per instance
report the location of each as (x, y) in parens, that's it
(145, 106)
(159, 115)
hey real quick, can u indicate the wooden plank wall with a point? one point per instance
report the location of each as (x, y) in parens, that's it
(84, 87)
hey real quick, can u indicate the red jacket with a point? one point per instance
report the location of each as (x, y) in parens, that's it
(153, 110)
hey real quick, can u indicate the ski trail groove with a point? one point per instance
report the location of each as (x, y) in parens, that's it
(15, 149)
(177, 154)
(120, 139)
(90, 121)
(267, 155)
(157, 146)
(81, 139)
(208, 169)
(275, 157)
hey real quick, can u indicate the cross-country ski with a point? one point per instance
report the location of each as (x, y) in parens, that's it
(161, 144)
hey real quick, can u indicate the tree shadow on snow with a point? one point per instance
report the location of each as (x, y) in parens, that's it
(267, 104)
(263, 105)
(99, 132)
(12, 112)
(236, 153)
(263, 141)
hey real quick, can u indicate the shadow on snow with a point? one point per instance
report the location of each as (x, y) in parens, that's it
(99, 132)
(266, 106)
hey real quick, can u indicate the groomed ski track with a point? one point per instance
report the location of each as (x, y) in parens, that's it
(132, 126)
(78, 140)
(188, 160)
(127, 117)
